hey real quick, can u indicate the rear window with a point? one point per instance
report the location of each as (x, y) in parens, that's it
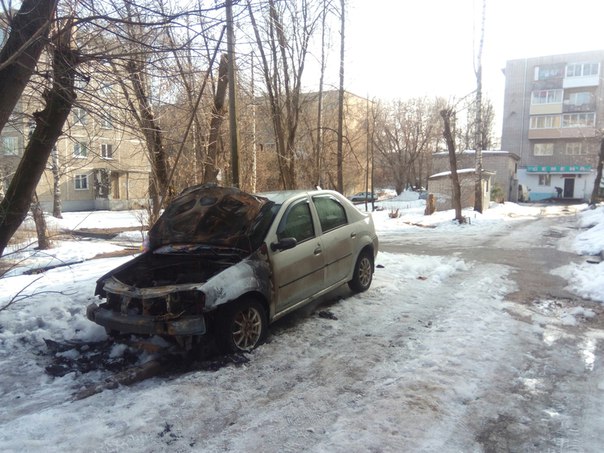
(331, 213)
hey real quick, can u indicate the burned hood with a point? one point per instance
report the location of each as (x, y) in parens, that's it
(209, 215)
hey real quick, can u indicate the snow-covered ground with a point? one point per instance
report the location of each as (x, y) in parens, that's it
(434, 357)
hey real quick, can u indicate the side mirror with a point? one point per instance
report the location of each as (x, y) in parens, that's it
(284, 244)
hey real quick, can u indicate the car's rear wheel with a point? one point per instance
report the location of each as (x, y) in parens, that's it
(363, 272)
(243, 325)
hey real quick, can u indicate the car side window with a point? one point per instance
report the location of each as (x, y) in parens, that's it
(331, 213)
(297, 223)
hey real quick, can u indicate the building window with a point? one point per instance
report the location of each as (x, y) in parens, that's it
(80, 150)
(581, 98)
(9, 146)
(547, 72)
(582, 69)
(81, 182)
(545, 180)
(578, 149)
(543, 149)
(79, 116)
(107, 151)
(106, 89)
(579, 120)
(80, 82)
(546, 97)
(106, 122)
(545, 122)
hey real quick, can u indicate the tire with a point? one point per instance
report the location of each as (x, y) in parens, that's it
(363, 272)
(242, 326)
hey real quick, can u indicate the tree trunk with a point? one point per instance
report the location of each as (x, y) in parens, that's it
(22, 50)
(2, 177)
(41, 230)
(456, 195)
(210, 170)
(49, 123)
(56, 186)
(283, 66)
(595, 193)
(288, 161)
(154, 141)
(430, 204)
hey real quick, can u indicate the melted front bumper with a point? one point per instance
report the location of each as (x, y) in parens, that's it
(145, 325)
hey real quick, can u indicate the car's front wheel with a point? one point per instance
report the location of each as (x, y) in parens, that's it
(363, 272)
(243, 325)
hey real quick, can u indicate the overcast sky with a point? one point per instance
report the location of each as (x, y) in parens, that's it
(407, 48)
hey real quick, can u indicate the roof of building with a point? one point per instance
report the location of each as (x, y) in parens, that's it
(484, 152)
(464, 171)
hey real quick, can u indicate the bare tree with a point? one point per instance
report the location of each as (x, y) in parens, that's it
(18, 58)
(141, 45)
(319, 129)
(409, 132)
(448, 116)
(210, 171)
(283, 40)
(49, 122)
(40, 222)
(467, 133)
(131, 36)
(595, 193)
(56, 183)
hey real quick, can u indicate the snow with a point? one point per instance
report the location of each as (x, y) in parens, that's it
(461, 171)
(432, 357)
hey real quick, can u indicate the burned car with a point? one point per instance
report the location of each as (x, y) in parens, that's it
(224, 262)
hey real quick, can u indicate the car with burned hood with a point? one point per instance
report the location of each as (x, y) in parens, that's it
(227, 263)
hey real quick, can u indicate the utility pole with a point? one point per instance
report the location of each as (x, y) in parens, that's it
(340, 150)
(478, 205)
(367, 152)
(234, 133)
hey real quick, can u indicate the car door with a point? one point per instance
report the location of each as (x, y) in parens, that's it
(337, 236)
(298, 272)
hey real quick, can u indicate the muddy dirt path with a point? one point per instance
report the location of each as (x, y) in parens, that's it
(548, 397)
(529, 248)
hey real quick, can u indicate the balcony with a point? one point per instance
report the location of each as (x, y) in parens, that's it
(566, 132)
(582, 81)
(570, 108)
(546, 109)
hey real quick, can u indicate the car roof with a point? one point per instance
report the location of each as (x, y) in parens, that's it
(281, 196)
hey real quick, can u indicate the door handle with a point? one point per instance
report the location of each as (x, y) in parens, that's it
(317, 250)
(353, 235)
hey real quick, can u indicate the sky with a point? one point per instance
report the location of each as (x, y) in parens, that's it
(433, 357)
(409, 48)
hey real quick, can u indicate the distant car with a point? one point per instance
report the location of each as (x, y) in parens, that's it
(228, 263)
(362, 196)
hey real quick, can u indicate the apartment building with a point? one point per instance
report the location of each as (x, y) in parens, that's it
(99, 162)
(553, 119)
